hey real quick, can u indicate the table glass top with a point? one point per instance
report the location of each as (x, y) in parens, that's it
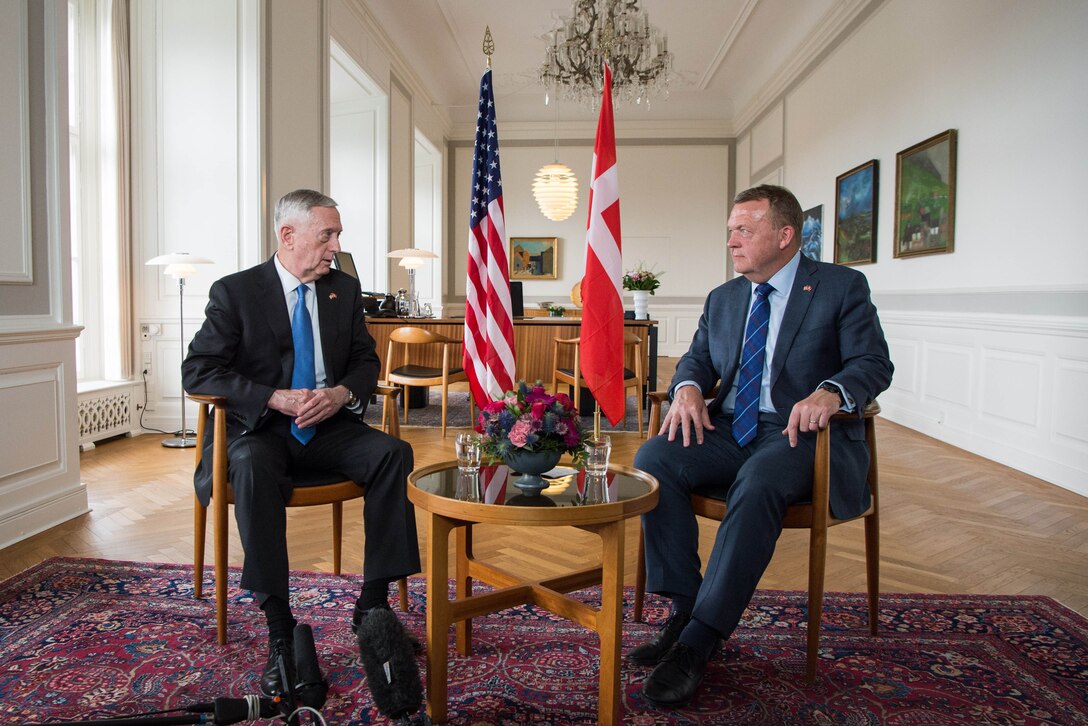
(568, 487)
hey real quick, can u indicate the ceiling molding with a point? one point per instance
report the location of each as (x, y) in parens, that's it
(831, 31)
(727, 44)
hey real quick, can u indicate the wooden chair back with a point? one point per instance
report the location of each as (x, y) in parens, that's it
(408, 375)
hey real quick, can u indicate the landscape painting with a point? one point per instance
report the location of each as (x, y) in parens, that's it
(855, 214)
(925, 196)
(812, 232)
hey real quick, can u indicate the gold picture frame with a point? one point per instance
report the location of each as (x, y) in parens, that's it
(925, 197)
(534, 258)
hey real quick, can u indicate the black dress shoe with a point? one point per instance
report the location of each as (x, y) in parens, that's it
(652, 651)
(357, 615)
(280, 651)
(675, 679)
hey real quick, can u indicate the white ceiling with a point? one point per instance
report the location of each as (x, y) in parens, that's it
(731, 57)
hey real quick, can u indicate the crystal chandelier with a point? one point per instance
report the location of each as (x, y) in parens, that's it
(616, 31)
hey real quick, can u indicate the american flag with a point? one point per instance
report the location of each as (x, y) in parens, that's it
(489, 329)
(602, 306)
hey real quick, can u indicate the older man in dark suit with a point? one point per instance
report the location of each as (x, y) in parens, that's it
(791, 343)
(285, 342)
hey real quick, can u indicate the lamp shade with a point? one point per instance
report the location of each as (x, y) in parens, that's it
(556, 190)
(179, 265)
(413, 252)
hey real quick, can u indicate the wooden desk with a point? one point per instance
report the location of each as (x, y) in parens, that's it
(434, 491)
(533, 341)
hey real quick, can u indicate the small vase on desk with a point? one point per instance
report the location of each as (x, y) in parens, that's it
(642, 304)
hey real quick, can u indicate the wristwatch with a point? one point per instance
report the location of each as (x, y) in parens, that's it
(834, 389)
(352, 399)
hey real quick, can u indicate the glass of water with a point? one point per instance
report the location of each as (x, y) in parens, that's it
(597, 451)
(468, 452)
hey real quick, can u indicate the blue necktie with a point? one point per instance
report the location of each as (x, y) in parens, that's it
(302, 334)
(746, 407)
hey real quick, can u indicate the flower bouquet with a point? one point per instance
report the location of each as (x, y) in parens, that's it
(642, 279)
(529, 430)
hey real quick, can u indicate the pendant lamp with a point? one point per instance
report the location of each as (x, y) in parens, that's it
(555, 186)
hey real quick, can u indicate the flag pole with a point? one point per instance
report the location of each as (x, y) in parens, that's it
(596, 421)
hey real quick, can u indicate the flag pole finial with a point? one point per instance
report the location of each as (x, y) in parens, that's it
(489, 44)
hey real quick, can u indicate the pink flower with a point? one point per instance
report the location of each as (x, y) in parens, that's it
(519, 433)
(538, 409)
(495, 406)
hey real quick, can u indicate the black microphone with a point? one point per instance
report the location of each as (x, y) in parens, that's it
(390, 664)
(233, 710)
(311, 688)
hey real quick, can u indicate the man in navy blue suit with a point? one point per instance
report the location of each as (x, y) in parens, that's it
(790, 343)
(281, 420)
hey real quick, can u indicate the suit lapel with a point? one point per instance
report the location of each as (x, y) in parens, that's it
(271, 300)
(736, 314)
(804, 290)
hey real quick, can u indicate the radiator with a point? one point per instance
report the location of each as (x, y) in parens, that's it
(105, 410)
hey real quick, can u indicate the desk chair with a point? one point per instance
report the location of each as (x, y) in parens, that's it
(814, 516)
(572, 376)
(318, 488)
(408, 374)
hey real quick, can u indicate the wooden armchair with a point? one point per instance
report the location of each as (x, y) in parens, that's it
(814, 516)
(330, 490)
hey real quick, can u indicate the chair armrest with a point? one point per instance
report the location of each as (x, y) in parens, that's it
(207, 400)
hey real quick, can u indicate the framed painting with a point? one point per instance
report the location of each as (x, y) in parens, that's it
(925, 196)
(855, 214)
(812, 233)
(534, 258)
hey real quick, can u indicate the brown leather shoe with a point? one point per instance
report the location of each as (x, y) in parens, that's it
(652, 651)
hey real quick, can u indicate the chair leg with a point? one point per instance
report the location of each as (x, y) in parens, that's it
(220, 538)
(872, 569)
(640, 576)
(445, 403)
(638, 401)
(405, 397)
(402, 586)
(337, 535)
(817, 555)
(200, 530)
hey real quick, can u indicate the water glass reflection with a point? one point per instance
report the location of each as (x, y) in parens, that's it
(596, 489)
(597, 452)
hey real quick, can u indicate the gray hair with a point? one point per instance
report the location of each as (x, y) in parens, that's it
(295, 207)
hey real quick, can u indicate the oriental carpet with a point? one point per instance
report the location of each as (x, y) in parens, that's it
(96, 639)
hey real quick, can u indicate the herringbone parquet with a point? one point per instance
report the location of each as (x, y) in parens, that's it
(951, 522)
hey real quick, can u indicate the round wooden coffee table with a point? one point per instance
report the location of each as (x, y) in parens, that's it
(454, 506)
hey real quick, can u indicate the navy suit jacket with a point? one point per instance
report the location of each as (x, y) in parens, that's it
(244, 351)
(830, 330)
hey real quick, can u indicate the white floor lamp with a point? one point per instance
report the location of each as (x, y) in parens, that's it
(180, 265)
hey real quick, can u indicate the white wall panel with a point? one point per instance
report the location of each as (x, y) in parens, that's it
(948, 374)
(1011, 385)
(23, 392)
(767, 140)
(15, 242)
(905, 355)
(1070, 401)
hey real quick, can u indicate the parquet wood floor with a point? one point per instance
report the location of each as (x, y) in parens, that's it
(951, 522)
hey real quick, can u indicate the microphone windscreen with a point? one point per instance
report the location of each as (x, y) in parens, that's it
(311, 688)
(390, 664)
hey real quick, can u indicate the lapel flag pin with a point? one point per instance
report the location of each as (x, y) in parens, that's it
(332, 295)
(807, 288)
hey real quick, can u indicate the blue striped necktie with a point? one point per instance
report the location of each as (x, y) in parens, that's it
(746, 407)
(303, 375)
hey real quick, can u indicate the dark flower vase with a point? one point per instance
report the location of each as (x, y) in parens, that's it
(531, 464)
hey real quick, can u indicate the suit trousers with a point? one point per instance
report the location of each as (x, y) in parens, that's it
(758, 482)
(259, 467)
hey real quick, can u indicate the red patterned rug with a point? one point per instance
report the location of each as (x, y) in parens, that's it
(94, 639)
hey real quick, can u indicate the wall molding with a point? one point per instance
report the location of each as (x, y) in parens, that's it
(16, 254)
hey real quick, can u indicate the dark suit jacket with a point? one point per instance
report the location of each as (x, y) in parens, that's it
(830, 330)
(244, 350)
